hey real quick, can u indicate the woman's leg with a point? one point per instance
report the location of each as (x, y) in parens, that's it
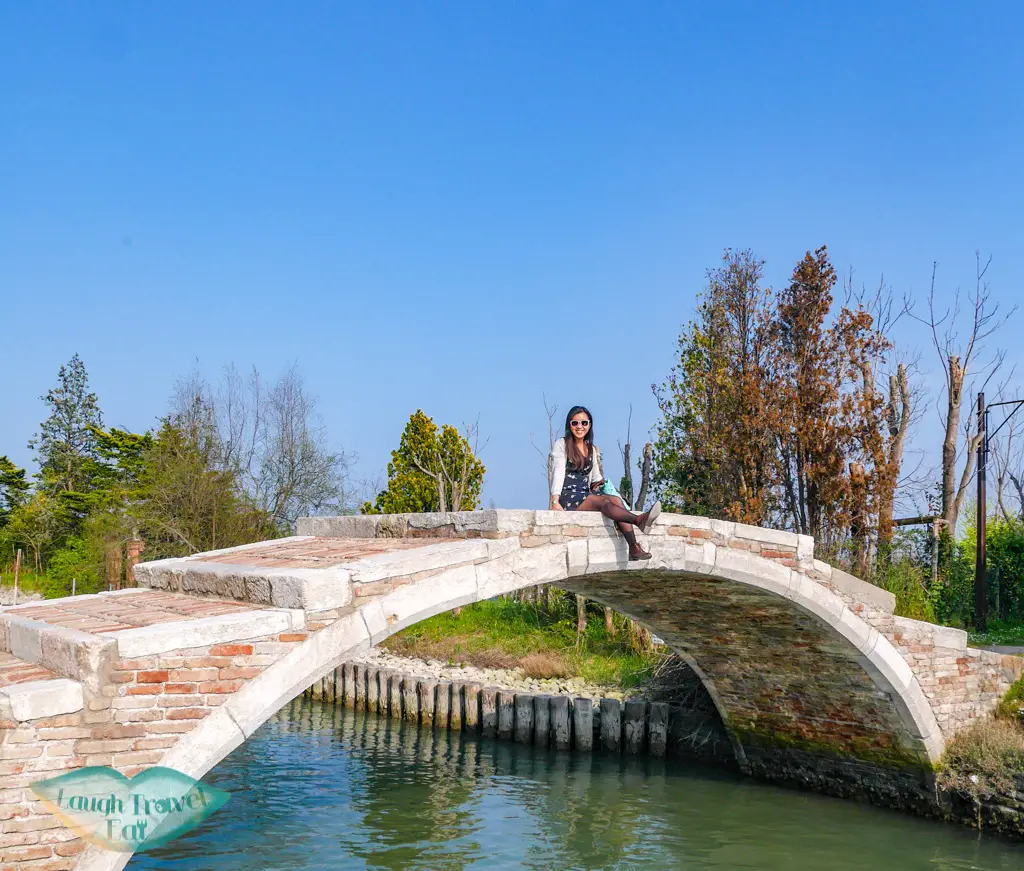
(614, 509)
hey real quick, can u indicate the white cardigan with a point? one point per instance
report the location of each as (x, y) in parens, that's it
(558, 475)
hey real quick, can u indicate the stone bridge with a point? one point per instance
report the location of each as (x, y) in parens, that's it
(816, 681)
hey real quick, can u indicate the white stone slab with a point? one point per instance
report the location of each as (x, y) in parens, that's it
(497, 576)
(862, 591)
(590, 519)
(25, 637)
(165, 637)
(398, 563)
(36, 699)
(499, 547)
(805, 551)
(199, 750)
(576, 556)
(766, 536)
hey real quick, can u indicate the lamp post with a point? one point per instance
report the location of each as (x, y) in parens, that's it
(980, 580)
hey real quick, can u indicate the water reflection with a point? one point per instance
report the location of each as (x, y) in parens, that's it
(319, 787)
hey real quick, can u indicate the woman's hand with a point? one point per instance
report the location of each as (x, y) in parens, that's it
(556, 505)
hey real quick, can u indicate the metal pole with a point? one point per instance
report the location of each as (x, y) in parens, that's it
(980, 591)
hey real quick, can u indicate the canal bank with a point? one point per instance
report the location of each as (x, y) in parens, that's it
(441, 697)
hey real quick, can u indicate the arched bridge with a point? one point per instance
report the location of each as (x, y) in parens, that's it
(814, 677)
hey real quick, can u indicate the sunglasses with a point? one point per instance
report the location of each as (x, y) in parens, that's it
(582, 423)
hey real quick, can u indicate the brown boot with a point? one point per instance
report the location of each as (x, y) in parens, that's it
(638, 553)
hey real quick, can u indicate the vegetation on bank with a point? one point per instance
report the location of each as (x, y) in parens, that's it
(987, 758)
(541, 637)
(906, 572)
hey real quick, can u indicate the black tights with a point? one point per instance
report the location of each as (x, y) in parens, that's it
(612, 508)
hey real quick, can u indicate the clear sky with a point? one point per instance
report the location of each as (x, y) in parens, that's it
(462, 207)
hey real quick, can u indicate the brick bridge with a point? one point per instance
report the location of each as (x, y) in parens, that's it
(815, 679)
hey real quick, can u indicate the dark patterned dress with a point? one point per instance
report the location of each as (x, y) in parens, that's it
(576, 486)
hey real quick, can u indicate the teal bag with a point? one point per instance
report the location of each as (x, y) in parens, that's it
(608, 488)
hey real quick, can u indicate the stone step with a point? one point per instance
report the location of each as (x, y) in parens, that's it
(29, 692)
(80, 637)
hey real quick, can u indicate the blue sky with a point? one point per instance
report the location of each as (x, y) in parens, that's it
(462, 207)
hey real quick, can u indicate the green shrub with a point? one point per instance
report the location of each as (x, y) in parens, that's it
(906, 581)
(1011, 706)
(1005, 545)
(954, 598)
(77, 562)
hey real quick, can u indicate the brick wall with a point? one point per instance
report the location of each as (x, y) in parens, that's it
(129, 725)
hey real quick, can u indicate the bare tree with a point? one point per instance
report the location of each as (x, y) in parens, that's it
(240, 411)
(626, 485)
(645, 476)
(549, 465)
(296, 473)
(272, 438)
(1008, 463)
(960, 353)
(887, 400)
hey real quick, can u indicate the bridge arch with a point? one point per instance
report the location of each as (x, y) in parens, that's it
(807, 688)
(787, 661)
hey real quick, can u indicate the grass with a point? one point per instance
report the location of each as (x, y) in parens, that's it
(28, 580)
(984, 759)
(502, 633)
(1010, 634)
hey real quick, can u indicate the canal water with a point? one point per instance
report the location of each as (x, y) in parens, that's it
(323, 788)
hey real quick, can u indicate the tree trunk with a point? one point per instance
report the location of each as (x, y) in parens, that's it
(645, 477)
(627, 475)
(954, 401)
(609, 622)
(899, 424)
(801, 485)
(581, 618)
(858, 521)
(114, 564)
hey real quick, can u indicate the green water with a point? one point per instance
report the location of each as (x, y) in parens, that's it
(322, 788)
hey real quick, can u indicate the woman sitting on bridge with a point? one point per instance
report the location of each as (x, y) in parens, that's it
(577, 482)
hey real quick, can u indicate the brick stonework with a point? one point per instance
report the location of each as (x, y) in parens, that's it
(129, 725)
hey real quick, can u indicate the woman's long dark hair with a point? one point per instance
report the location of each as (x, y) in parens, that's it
(572, 453)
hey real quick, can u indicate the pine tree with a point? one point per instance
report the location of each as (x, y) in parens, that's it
(13, 489)
(432, 470)
(66, 446)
